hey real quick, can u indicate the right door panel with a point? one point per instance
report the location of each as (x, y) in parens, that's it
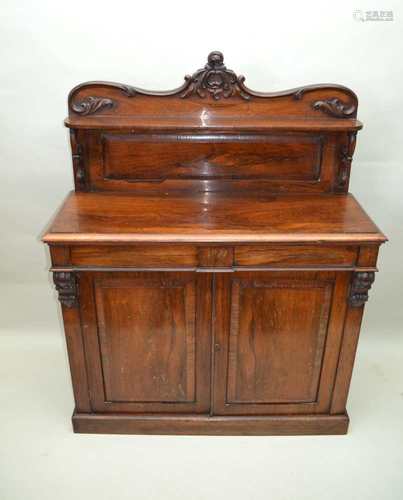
(277, 337)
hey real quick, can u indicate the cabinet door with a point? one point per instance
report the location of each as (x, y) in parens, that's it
(277, 337)
(147, 340)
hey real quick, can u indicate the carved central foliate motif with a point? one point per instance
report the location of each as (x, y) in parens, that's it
(214, 79)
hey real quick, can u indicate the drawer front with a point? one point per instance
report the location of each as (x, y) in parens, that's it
(289, 256)
(188, 256)
(134, 256)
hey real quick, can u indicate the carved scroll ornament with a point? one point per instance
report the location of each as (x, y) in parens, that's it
(346, 157)
(336, 108)
(66, 286)
(214, 79)
(78, 160)
(91, 105)
(361, 284)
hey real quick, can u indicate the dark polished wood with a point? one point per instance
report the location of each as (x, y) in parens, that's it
(295, 255)
(296, 425)
(206, 122)
(188, 161)
(282, 323)
(218, 86)
(159, 157)
(212, 134)
(211, 266)
(205, 217)
(147, 341)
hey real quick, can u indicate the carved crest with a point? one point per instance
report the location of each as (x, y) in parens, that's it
(214, 79)
(66, 286)
(362, 282)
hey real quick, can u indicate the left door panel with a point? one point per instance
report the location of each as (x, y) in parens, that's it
(147, 340)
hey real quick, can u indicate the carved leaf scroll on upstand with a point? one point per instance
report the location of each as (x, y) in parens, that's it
(218, 82)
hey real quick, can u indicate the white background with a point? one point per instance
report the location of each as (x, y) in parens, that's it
(47, 47)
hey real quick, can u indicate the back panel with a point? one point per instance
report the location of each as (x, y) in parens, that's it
(212, 134)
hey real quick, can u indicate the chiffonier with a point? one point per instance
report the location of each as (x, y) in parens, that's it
(211, 265)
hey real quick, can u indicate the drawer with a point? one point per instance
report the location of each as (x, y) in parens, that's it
(295, 255)
(134, 256)
(185, 256)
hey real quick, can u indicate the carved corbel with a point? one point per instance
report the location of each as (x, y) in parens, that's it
(66, 286)
(346, 157)
(360, 285)
(78, 162)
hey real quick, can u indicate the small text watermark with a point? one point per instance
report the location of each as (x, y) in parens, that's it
(373, 15)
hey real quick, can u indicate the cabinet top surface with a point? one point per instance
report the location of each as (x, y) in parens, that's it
(210, 218)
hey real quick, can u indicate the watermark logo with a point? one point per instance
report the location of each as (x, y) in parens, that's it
(373, 15)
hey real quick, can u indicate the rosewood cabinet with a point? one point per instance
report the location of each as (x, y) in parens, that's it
(211, 265)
